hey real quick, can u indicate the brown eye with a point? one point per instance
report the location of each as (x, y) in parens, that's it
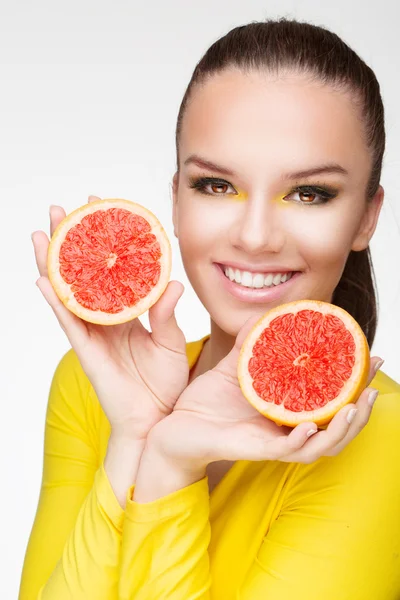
(311, 195)
(307, 197)
(216, 187)
(211, 186)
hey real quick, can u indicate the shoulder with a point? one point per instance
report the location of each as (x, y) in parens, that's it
(74, 406)
(338, 521)
(69, 373)
(380, 437)
(69, 390)
(385, 384)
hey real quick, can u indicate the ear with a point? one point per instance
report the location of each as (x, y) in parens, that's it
(175, 184)
(369, 221)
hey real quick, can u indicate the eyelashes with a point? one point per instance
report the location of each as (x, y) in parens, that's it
(325, 194)
(200, 183)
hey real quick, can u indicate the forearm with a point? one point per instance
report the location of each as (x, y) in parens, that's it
(121, 464)
(90, 562)
(166, 533)
(88, 565)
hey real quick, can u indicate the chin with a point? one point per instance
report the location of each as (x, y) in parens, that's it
(230, 320)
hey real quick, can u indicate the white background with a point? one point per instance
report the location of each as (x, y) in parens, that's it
(90, 92)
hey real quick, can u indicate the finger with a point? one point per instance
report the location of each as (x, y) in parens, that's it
(245, 330)
(164, 327)
(56, 214)
(375, 364)
(339, 433)
(265, 447)
(41, 241)
(359, 422)
(229, 364)
(324, 440)
(364, 410)
(72, 325)
(40, 244)
(93, 198)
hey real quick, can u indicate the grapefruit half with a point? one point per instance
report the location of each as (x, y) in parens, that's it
(109, 261)
(303, 361)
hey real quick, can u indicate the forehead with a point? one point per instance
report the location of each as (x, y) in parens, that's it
(250, 121)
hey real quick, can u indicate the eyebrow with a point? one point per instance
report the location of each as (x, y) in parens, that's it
(207, 164)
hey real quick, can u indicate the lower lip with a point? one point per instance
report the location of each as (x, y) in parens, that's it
(255, 294)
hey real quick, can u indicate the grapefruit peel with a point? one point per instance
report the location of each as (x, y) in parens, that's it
(304, 365)
(101, 255)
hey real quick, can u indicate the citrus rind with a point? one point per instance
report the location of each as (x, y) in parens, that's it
(63, 289)
(351, 389)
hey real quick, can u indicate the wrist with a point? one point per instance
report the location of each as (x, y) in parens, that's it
(123, 440)
(121, 464)
(165, 440)
(160, 475)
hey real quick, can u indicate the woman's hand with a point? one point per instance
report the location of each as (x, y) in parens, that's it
(213, 421)
(137, 375)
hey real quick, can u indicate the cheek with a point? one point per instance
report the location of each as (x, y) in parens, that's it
(324, 237)
(200, 225)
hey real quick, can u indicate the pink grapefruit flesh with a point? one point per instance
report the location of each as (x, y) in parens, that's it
(303, 361)
(109, 261)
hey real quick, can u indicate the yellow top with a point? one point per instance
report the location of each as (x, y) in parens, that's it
(268, 531)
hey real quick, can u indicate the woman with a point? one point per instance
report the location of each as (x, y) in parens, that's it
(160, 481)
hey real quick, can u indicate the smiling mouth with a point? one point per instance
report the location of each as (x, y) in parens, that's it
(255, 280)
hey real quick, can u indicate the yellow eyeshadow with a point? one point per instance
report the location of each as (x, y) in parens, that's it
(240, 196)
(281, 201)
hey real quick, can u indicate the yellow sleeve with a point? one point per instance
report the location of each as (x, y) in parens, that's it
(74, 547)
(337, 535)
(165, 547)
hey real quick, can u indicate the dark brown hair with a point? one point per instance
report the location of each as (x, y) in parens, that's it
(282, 45)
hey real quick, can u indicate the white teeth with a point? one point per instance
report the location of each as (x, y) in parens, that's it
(256, 280)
(268, 279)
(247, 279)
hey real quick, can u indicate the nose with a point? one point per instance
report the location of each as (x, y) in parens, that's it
(257, 229)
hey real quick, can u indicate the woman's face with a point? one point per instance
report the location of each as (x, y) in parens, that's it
(261, 131)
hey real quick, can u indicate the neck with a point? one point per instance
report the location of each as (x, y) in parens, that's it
(220, 344)
(214, 350)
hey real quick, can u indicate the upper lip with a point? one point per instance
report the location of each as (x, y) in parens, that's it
(257, 268)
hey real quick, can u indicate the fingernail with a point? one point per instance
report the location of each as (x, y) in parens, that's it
(311, 432)
(378, 365)
(372, 397)
(351, 415)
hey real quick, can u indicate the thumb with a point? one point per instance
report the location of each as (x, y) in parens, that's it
(228, 365)
(164, 328)
(245, 330)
